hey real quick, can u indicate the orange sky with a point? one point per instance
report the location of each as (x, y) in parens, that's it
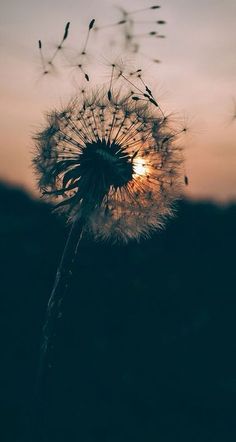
(196, 79)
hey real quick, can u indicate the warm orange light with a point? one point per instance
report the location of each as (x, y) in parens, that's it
(139, 167)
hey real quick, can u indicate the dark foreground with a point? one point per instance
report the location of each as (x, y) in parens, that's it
(146, 349)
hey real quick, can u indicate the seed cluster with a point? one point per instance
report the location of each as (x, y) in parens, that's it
(112, 161)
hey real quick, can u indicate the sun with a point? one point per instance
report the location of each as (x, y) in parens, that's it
(139, 167)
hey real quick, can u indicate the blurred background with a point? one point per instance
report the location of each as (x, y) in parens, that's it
(146, 345)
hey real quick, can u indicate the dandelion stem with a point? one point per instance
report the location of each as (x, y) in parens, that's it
(58, 293)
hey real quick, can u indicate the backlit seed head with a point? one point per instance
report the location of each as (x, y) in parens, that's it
(111, 161)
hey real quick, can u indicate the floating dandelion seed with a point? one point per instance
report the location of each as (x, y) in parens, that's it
(43, 62)
(112, 25)
(186, 180)
(60, 45)
(48, 66)
(145, 22)
(132, 40)
(90, 27)
(144, 9)
(113, 162)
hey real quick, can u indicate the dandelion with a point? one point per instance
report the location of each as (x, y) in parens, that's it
(113, 163)
(114, 167)
(110, 161)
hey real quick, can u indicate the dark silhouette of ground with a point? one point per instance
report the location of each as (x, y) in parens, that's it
(146, 347)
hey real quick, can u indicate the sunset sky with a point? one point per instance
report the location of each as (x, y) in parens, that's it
(196, 78)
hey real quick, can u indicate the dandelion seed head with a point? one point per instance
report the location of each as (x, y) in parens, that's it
(112, 162)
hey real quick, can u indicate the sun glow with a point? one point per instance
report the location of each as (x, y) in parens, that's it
(139, 167)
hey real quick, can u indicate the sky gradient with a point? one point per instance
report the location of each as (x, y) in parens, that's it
(196, 79)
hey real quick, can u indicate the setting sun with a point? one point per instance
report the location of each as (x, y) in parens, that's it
(140, 166)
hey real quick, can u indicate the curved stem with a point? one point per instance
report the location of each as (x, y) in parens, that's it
(58, 293)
